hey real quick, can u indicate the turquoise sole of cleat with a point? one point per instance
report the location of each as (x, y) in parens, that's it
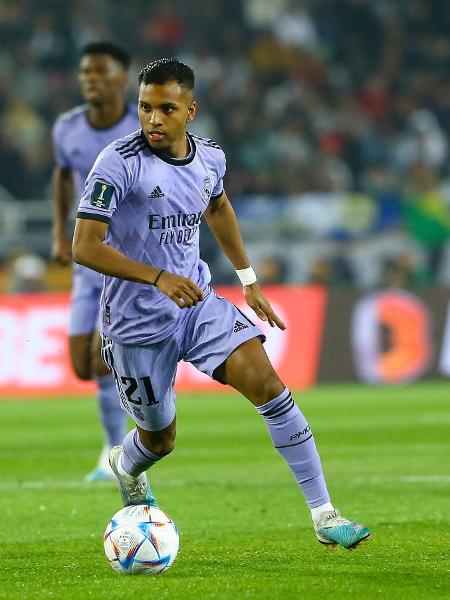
(344, 535)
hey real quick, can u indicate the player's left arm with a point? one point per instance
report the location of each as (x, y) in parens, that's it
(223, 223)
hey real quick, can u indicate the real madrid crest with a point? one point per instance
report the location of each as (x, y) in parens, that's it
(207, 189)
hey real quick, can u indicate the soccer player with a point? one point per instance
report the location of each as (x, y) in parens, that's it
(78, 136)
(138, 223)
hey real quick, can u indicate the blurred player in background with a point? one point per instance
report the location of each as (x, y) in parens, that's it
(78, 137)
(138, 223)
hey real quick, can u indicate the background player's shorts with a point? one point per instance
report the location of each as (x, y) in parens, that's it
(85, 300)
(207, 334)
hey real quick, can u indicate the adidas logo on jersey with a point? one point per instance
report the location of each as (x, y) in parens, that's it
(238, 326)
(157, 193)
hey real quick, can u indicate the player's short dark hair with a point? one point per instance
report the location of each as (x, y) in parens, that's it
(113, 50)
(167, 69)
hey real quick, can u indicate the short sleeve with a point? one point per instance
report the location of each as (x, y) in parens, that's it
(222, 167)
(58, 135)
(108, 182)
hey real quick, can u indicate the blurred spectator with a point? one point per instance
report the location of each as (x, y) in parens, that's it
(293, 26)
(163, 29)
(271, 269)
(321, 272)
(423, 140)
(330, 272)
(398, 272)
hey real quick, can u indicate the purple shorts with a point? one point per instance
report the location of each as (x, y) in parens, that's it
(145, 375)
(85, 301)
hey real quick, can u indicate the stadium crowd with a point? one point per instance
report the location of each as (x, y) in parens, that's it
(334, 114)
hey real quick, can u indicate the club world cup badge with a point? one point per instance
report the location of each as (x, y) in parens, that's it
(207, 189)
(102, 194)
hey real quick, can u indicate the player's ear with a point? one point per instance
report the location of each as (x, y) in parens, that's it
(191, 112)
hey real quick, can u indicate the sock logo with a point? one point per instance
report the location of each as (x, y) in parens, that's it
(295, 436)
(238, 326)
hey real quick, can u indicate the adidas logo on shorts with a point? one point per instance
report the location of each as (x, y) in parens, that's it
(157, 193)
(238, 326)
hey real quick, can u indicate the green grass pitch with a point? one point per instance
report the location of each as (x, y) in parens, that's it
(245, 530)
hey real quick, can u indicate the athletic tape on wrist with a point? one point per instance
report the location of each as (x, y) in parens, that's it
(247, 276)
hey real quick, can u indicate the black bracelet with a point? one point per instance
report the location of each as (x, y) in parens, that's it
(158, 276)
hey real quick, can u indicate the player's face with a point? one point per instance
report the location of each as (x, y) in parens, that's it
(164, 111)
(101, 77)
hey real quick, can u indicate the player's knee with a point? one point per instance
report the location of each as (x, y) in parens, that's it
(270, 386)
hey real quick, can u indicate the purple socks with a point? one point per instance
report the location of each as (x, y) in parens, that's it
(292, 437)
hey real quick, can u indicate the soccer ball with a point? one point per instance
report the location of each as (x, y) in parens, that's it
(141, 539)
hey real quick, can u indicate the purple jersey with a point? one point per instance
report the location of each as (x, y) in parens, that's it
(77, 143)
(154, 205)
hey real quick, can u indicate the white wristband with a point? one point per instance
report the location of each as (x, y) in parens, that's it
(247, 276)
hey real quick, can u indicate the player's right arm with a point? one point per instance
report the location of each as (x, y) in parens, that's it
(63, 192)
(90, 250)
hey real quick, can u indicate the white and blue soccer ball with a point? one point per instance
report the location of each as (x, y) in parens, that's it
(141, 540)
